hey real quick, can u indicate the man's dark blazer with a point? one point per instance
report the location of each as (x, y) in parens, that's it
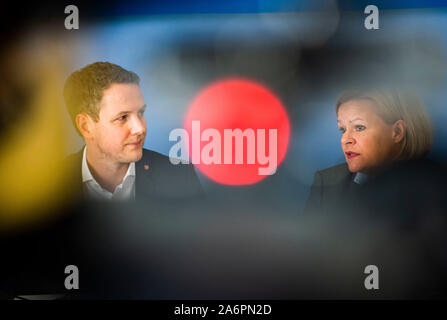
(37, 257)
(156, 177)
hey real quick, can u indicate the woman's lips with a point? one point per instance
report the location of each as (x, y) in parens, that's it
(351, 154)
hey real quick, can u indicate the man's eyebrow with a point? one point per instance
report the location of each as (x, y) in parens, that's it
(127, 112)
(121, 113)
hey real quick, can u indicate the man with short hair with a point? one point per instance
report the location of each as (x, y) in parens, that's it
(107, 108)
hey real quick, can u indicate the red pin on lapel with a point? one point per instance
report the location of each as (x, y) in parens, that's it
(146, 167)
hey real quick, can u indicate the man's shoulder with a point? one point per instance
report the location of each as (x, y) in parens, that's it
(156, 163)
(155, 158)
(151, 154)
(157, 175)
(335, 174)
(149, 157)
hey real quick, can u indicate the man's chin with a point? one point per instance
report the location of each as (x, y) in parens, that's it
(134, 155)
(138, 157)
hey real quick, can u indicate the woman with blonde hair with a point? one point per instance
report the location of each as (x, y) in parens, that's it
(385, 137)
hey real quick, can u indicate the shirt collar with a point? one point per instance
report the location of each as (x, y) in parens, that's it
(360, 178)
(87, 175)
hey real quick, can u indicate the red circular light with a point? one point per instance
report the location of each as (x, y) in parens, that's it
(233, 104)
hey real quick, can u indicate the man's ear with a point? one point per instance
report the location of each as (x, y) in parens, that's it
(398, 131)
(85, 124)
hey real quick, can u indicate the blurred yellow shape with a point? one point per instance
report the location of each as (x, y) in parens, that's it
(33, 177)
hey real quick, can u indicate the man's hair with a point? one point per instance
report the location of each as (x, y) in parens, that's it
(393, 105)
(84, 88)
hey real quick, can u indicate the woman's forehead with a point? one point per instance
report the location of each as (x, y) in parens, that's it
(354, 110)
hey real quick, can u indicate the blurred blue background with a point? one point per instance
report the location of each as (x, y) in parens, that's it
(306, 52)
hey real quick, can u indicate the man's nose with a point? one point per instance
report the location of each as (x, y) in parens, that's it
(137, 126)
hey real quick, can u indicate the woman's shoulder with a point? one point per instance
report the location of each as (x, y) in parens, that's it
(335, 174)
(421, 175)
(422, 167)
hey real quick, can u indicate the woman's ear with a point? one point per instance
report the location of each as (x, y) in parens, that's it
(398, 131)
(83, 122)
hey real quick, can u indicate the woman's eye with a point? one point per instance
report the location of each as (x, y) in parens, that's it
(360, 128)
(122, 118)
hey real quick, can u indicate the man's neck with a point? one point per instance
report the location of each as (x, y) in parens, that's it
(107, 173)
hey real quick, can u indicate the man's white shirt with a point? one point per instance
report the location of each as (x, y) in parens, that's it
(124, 191)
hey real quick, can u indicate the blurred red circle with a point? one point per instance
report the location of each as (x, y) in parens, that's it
(245, 105)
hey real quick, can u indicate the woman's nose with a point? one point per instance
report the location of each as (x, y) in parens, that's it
(347, 138)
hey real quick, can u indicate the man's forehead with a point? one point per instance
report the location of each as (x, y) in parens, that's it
(122, 91)
(122, 97)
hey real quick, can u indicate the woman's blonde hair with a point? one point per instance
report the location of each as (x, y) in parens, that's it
(394, 105)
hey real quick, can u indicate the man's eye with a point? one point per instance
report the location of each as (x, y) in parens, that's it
(360, 128)
(141, 113)
(122, 118)
(342, 130)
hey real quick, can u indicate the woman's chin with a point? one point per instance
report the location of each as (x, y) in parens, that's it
(354, 167)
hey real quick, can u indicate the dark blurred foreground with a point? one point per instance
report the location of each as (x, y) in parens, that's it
(214, 248)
